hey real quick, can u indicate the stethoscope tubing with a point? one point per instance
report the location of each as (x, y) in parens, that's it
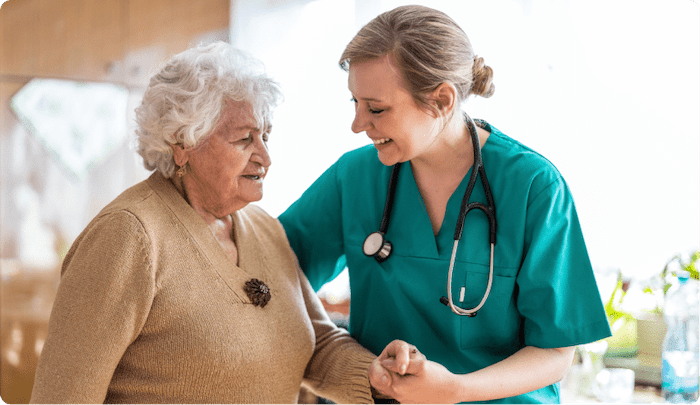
(378, 247)
(468, 312)
(466, 206)
(489, 210)
(384, 226)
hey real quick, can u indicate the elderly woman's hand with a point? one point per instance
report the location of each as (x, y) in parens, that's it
(405, 374)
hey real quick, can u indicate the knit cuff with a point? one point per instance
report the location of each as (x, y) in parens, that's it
(347, 382)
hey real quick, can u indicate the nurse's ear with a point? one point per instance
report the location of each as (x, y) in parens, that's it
(445, 99)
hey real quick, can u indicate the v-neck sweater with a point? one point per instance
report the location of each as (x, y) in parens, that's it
(150, 309)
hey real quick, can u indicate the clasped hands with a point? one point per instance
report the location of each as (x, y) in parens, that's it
(405, 374)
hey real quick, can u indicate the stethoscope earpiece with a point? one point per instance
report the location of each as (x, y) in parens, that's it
(377, 246)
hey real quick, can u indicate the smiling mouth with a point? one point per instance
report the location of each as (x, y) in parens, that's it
(381, 141)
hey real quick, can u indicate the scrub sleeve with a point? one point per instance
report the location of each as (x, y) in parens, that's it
(544, 293)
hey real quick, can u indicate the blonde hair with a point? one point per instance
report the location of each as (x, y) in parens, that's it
(184, 100)
(428, 47)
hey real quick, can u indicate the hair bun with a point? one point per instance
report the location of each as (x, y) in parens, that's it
(482, 84)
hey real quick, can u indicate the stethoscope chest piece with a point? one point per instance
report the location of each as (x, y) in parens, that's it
(377, 246)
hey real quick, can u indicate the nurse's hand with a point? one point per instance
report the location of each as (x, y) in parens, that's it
(400, 354)
(403, 373)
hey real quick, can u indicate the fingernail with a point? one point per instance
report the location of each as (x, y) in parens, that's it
(385, 380)
(403, 369)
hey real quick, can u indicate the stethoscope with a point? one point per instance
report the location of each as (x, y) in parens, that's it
(377, 246)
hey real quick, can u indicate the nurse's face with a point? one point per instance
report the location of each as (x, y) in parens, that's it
(386, 111)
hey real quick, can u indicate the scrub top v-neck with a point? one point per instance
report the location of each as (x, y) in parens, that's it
(543, 294)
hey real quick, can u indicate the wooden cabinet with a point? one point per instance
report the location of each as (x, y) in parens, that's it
(158, 29)
(74, 39)
(187, 20)
(120, 41)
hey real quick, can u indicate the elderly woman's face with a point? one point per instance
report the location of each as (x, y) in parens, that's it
(226, 172)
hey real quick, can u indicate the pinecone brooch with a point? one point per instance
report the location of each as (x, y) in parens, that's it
(258, 292)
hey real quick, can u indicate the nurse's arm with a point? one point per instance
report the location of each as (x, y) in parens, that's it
(529, 369)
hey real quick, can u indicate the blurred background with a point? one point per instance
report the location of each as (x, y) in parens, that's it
(608, 90)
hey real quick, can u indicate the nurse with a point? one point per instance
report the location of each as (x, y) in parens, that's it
(410, 69)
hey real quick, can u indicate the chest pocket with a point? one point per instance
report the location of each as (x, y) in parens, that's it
(497, 324)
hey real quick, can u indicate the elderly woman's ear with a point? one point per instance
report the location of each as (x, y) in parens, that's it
(179, 154)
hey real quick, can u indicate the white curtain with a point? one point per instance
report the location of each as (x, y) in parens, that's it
(606, 90)
(44, 206)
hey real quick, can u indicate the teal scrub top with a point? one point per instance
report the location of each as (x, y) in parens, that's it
(544, 293)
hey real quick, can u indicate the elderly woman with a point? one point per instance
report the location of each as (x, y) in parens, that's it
(179, 290)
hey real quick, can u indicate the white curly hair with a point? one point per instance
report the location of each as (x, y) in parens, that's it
(184, 100)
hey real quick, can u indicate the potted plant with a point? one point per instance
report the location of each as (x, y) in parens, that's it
(651, 327)
(660, 285)
(622, 322)
(639, 330)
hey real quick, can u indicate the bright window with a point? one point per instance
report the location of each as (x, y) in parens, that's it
(606, 90)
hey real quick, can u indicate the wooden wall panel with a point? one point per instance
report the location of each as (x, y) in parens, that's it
(158, 29)
(7, 91)
(106, 40)
(61, 38)
(186, 20)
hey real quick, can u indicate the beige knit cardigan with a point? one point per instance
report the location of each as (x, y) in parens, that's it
(151, 310)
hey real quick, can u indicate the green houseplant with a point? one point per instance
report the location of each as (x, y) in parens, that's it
(651, 329)
(622, 322)
(639, 330)
(642, 332)
(660, 286)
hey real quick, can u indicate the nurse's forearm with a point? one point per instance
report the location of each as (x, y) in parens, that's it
(528, 369)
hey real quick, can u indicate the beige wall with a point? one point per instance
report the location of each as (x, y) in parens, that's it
(116, 41)
(93, 40)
